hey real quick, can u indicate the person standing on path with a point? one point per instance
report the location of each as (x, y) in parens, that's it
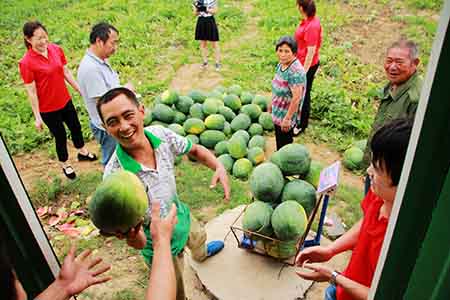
(401, 94)
(44, 72)
(309, 39)
(288, 90)
(206, 29)
(96, 77)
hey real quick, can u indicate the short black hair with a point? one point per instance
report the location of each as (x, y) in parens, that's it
(101, 30)
(309, 7)
(287, 40)
(7, 276)
(389, 145)
(112, 94)
(28, 31)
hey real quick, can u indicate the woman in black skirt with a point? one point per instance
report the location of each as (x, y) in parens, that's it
(206, 29)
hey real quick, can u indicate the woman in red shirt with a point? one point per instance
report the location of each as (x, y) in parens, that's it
(309, 39)
(44, 72)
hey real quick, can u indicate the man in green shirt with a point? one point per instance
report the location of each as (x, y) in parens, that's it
(401, 94)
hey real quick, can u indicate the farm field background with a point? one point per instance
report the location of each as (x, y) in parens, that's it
(157, 51)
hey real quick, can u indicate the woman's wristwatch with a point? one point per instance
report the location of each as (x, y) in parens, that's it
(333, 277)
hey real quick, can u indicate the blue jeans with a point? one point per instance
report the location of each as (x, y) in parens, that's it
(107, 143)
(330, 292)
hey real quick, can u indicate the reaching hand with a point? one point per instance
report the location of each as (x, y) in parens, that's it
(77, 274)
(286, 124)
(313, 254)
(161, 229)
(320, 272)
(221, 175)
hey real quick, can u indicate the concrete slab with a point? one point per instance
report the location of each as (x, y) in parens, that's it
(237, 274)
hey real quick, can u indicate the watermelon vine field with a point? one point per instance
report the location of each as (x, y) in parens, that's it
(157, 52)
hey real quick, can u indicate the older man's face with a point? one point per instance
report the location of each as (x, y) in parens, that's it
(399, 66)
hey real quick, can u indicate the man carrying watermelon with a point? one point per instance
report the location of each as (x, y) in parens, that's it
(365, 238)
(150, 153)
(401, 94)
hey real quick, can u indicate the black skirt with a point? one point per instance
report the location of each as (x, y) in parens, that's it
(206, 29)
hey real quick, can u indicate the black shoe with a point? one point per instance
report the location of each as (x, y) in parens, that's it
(88, 157)
(69, 172)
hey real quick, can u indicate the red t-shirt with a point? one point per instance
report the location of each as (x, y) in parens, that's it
(308, 34)
(48, 75)
(367, 250)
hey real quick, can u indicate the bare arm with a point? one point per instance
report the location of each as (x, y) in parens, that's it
(212, 10)
(162, 281)
(209, 160)
(348, 240)
(355, 289)
(309, 57)
(69, 78)
(34, 101)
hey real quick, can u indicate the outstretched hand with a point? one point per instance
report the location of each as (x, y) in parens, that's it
(221, 175)
(77, 273)
(161, 229)
(313, 254)
(320, 272)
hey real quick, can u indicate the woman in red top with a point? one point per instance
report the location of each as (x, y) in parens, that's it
(309, 39)
(44, 72)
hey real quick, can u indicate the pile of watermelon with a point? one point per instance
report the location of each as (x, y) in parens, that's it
(229, 121)
(284, 190)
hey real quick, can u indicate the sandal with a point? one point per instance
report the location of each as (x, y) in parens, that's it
(69, 172)
(88, 157)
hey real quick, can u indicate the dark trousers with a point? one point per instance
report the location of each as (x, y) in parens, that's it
(283, 138)
(306, 108)
(55, 122)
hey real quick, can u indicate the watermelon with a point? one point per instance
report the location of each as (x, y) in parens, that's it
(163, 113)
(215, 94)
(179, 118)
(275, 158)
(159, 123)
(256, 155)
(209, 138)
(257, 141)
(246, 98)
(235, 89)
(313, 175)
(215, 121)
(237, 147)
(194, 126)
(227, 161)
(227, 113)
(233, 102)
(280, 249)
(353, 158)
(302, 192)
(251, 110)
(242, 168)
(184, 104)
(221, 148)
(177, 128)
(169, 97)
(294, 159)
(196, 111)
(210, 106)
(261, 101)
(119, 203)
(361, 144)
(197, 96)
(148, 118)
(227, 128)
(257, 217)
(255, 129)
(266, 182)
(265, 119)
(289, 221)
(193, 138)
(243, 135)
(242, 121)
(220, 89)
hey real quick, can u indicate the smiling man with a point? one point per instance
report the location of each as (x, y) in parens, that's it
(150, 153)
(401, 94)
